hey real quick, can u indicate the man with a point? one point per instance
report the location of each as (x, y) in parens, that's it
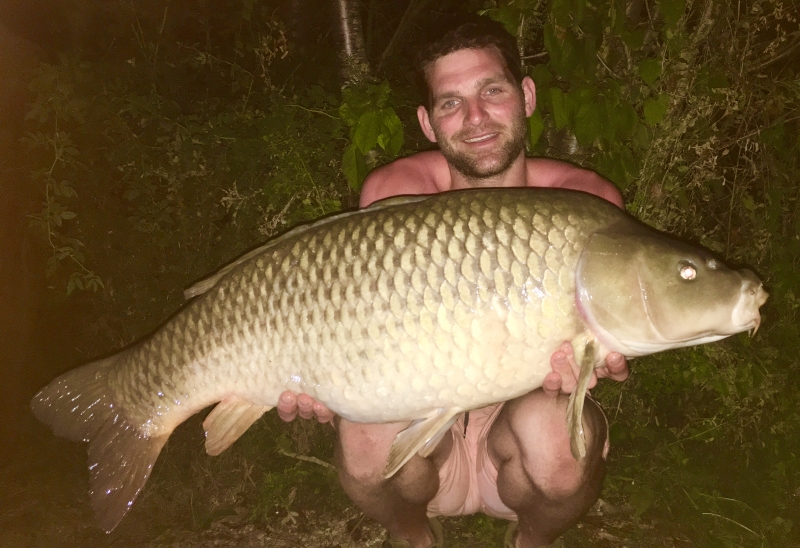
(511, 460)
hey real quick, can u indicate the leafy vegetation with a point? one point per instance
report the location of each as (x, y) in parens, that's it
(184, 135)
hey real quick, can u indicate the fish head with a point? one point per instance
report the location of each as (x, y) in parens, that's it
(642, 292)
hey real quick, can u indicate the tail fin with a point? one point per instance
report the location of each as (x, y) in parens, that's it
(77, 406)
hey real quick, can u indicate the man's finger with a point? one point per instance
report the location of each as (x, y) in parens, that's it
(287, 406)
(305, 406)
(324, 415)
(561, 364)
(615, 368)
(552, 384)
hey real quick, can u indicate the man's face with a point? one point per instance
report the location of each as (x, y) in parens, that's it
(477, 113)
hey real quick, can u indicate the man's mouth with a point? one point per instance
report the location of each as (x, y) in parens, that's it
(480, 138)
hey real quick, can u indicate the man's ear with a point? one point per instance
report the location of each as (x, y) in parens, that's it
(425, 123)
(529, 91)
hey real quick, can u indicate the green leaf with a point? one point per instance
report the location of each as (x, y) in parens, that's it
(354, 166)
(633, 39)
(508, 15)
(672, 11)
(541, 75)
(625, 119)
(649, 70)
(655, 109)
(391, 138)
(618, 120)
(587, 123)
(66, 190)
(535, 128)
(559, 105)
(560, 11)
(559, 50)
(618, 165)
(367, 130)
(67, 215)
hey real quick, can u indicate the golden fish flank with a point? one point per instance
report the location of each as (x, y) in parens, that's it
(415, 308)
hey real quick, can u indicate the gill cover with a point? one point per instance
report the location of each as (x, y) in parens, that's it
(641, 292)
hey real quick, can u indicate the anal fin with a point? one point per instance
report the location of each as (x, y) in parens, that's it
(421, 437)
(228, 421)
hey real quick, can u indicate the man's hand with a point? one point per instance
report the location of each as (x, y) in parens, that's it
(290, 405)
(564, 377)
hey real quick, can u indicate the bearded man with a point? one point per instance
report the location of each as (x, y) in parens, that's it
(511, 460)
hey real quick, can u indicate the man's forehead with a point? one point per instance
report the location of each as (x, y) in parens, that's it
(484, 65)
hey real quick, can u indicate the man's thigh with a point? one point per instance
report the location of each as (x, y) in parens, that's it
(529, 445)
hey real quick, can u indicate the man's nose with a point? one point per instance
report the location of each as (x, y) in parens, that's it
(475, 113)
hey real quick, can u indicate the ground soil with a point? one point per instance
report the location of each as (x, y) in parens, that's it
(44, 501)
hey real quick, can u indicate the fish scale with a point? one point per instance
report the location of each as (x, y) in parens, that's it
(405, 312)
(415, 309)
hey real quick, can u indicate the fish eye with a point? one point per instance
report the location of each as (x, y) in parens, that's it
(688, 271)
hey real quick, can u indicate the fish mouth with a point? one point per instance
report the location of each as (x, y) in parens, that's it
(746, 313)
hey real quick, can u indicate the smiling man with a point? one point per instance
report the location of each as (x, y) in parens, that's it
(511, 460)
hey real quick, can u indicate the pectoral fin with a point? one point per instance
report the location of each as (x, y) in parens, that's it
(421, 437)
(228, 421)
(585, 354)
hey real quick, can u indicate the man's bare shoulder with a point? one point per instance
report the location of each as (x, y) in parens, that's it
(420, 173)
(546, 172)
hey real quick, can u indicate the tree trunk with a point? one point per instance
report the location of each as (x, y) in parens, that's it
(355, 67)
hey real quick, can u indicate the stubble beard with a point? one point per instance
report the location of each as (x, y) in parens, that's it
(482, 166)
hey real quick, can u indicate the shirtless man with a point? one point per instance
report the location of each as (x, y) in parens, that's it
(514, 460)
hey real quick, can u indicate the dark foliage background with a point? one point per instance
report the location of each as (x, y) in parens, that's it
(165, 138)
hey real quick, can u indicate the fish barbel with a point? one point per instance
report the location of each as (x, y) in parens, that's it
(416, 308)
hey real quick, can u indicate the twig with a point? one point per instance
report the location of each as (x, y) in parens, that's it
(619, 401)
(160, 33)
(786, 51)
(314, 110)
(607, 67)
(534, 56)
(732, 521)
(307, 459)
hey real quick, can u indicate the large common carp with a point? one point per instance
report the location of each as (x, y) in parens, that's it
(416, 308)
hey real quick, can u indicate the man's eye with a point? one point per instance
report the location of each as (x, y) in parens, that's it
(449, 104)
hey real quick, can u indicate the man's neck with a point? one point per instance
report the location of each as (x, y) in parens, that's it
(515, 175)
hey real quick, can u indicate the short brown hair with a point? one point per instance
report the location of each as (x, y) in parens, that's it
(464, 31)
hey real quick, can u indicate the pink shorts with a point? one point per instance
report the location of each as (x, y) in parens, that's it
(468, 478)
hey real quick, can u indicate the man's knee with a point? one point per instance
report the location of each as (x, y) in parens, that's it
(537, 436)
(362, 451)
